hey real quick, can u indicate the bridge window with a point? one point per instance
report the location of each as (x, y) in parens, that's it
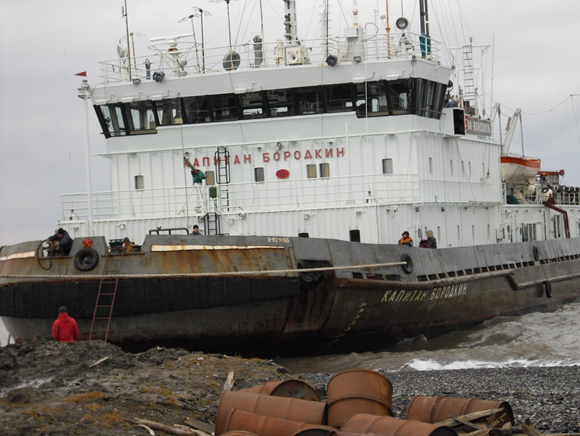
(169, 112)
(112, 120)
(281, 102)
(197, 109)
(141, 117)
(371, 99)
(224, 107)
(252, 105)
(399, 97)
(309, 100)
(339, 98)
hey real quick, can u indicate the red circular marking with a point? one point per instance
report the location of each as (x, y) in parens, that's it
(282, 174)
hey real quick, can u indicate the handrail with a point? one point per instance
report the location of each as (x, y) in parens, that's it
(181, 61)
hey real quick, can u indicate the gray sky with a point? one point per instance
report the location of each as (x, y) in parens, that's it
(44, 44)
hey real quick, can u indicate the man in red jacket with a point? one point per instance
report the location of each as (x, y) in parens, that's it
(65, 328)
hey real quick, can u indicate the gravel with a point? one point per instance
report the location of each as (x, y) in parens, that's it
(49, 388)
(549, 397)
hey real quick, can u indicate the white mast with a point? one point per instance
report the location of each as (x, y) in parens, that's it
(290, 22)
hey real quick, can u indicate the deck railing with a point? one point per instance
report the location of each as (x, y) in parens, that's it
(243, 197)
(186, 58)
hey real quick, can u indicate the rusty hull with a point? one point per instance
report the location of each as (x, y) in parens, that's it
(259, 296)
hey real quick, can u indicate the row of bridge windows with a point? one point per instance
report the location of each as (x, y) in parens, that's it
(369, 99)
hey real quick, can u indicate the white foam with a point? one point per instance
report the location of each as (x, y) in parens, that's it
(433, 365)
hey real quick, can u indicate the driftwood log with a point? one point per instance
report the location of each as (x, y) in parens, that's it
(166, 428)
(199, 425)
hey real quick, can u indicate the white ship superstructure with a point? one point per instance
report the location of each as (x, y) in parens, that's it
(335, 138)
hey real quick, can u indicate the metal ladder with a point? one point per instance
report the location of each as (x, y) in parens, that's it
(222, 160)
(107, 292)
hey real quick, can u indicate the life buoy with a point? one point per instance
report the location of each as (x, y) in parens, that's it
(536, 253)
(86, 259)
(548, 287)
(408, 266)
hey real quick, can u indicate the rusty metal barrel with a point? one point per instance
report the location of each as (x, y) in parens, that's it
(358, 391)
(263, 425)
(315, 431)
(310, 412)
(288, 388)
(436, 409)
(389, 426)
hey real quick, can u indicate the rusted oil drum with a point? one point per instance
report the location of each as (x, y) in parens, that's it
(358, 391)
(263, 425)
(310, 412)
(389, 426)
(315, 431)
(437, 409)
(288, 388)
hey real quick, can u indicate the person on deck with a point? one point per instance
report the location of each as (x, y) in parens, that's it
(406, 239)
(424, 243)
(198, 175)
(196, 231)
(63, 242)
(432, 240)
(128, 245)
(65, 328)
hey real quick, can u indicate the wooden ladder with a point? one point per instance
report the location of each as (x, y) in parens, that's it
(107, 292)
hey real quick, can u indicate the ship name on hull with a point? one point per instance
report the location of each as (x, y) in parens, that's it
(206, 161)
(444, 292)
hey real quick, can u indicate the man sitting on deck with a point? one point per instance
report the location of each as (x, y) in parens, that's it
(63, 242)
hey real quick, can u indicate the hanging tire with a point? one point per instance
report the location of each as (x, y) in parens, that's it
(536, 253)
(548, 287)
(86, 259)
(408, 267)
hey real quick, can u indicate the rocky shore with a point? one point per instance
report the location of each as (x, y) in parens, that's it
(93, 388)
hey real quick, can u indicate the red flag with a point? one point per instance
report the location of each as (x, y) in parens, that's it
(84, 74)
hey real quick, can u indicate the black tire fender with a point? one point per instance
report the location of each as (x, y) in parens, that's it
(548, 287)
(408, 267)
(536, 253)
(86, 259)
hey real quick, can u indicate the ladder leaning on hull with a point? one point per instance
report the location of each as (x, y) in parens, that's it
(106, 295)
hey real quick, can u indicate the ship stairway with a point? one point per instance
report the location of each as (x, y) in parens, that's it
(468, 74)
(212, 223)
(106, 295)
(222, 162)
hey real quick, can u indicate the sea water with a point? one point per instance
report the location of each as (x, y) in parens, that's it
(535, 339)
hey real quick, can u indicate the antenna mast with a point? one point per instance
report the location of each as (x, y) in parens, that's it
(126, 15)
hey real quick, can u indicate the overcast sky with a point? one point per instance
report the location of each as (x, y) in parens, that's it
(535, 59)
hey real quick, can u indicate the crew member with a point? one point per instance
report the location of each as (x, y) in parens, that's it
(196, 231)
(198, 175)
(431, 239)
(127, 245)
(65, 328)
(424, 243)
(406, 239)
(63, 242)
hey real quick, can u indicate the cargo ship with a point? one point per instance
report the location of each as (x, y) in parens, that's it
(301, 163)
